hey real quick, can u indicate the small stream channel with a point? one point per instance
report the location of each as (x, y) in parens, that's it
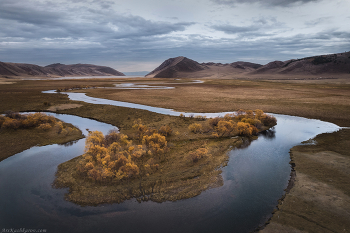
(254, 180)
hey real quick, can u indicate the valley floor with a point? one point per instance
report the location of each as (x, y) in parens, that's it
(320, 198)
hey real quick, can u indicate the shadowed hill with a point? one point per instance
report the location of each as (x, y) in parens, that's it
(174, 67)
(324, 64)
(182, 67)
(21, 69)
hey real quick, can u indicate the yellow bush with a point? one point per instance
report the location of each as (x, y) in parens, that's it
(226, 128)
(45, 127)
(11, 123)
(195, 128)
(156, 143)
(244, 129)
(198, 154)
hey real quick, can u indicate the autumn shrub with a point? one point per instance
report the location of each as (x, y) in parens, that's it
(141, 130)
(114, 157)
(156, 143)
(58, 127)
(226, 128)
(213, 122)
(255, 122)
(10, 123)
(14, 120)
(195, 128)
(165, 130)
(2, 120)
(13, 115)
(246, 129)
(268, 120)
(198, 154)
(45, 127)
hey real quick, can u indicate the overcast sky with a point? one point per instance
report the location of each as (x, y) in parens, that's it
(137, 35)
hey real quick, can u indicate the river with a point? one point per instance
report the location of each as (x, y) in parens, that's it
(254, 180)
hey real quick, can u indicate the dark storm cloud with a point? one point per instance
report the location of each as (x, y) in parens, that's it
(21, 13)
(281, 3)
(27, 21)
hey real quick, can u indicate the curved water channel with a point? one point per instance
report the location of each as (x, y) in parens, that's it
(254, 180)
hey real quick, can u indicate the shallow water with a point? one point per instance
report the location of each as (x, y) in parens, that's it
(254, 180)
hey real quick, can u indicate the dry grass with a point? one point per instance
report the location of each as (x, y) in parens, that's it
(313, 100)
(320, 196)
(178, 177)
(320, 199)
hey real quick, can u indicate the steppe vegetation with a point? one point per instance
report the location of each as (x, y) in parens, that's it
(319, 200)
(22, 131)
(151, 163)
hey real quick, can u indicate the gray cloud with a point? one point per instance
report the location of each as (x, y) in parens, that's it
(318, 21)
(27, 21)
(281, 3)
(196, 46)
(259, 27)
(93, 31)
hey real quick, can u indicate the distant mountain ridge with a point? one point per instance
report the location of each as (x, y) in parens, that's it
(57, 69)
(184, 67)
(323, 64)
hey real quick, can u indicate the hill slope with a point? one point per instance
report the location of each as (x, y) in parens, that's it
(182, 67)
(21, 69)
(175, 67)
(324, 64)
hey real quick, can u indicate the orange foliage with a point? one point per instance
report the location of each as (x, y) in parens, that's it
(115, 157)
(195, 128)
(198, 154)
(156, 143)
(45, 127)
(225, 128)
(13, 120)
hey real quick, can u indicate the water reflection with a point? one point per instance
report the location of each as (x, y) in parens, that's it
(268, 134)
(71, 143)
(254, 179)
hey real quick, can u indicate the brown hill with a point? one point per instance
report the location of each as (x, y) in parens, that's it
(324, 64)
(245, 65)
(182, 67)
(176, 67)
(21, 69)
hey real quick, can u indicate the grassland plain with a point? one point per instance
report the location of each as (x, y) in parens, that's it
(306, 207)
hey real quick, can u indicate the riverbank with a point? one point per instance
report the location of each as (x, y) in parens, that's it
(327, 100)
(320, 198)
(13, 141)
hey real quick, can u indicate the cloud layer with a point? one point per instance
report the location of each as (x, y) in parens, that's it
(133, 36)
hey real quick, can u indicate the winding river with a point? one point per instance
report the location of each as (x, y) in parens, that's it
(254, 180)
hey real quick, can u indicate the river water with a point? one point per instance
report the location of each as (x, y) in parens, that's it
(254, 180)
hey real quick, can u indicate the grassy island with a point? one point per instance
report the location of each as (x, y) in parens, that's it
(23, 131)
(158, 164)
